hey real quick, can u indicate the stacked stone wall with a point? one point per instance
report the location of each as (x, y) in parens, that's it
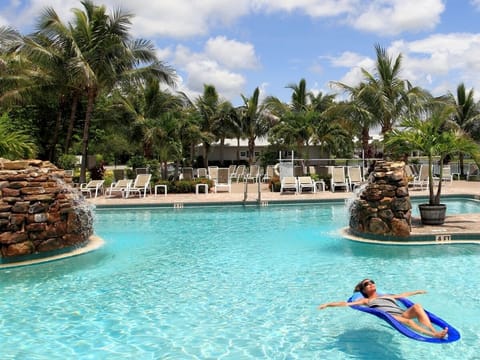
(40, 211)
(383, 206)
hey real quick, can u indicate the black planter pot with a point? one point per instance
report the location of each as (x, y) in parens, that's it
(432, 214)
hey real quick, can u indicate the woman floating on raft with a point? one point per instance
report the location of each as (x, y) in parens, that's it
(388, 304)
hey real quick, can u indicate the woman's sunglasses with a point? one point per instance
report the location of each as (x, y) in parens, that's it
(366, 283)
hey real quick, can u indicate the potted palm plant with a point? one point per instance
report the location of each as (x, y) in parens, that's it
(435, 136)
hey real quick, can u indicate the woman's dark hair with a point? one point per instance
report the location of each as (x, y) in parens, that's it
(359, 287)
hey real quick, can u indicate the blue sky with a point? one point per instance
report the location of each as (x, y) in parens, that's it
(241, 44)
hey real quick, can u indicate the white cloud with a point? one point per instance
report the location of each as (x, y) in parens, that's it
(3, 21)
(201, 69)
(391, 17)
(231, 53)
(476, 4)
(164, 54)
(191, 18)
(176, 19)
(313, 8)
(183, 18)
(438, 62)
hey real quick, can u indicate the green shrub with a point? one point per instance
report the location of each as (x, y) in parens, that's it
(67, 161)
(183, 186)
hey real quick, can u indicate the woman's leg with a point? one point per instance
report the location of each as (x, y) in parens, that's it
(414, 325)
(417, 311)
(411, 323)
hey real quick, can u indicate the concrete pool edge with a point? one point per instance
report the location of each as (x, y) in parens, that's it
(457, 229)
(94, 243)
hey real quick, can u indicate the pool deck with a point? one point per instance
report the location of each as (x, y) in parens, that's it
(460, 228)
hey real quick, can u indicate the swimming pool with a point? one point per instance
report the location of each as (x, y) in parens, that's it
(233, 283)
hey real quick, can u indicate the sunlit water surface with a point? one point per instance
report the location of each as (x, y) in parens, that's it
(233, 283)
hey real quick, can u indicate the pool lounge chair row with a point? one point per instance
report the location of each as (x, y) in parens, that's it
(300, 184)
(346, 177)
(421, 180)
(236, 173)
(125, 187)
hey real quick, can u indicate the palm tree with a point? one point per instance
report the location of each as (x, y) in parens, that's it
(253, 122)
(295, 126)
(466, 115)
(300, 96)
(384, 94)
(212, 111)
(225, 125)
(357, 112)
(103, 55)
(146, 102)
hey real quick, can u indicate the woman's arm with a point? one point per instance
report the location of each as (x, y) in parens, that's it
(342, 303)
(407, 294)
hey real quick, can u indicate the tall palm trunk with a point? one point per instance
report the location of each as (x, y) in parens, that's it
(251, 150)
(71, 123)
(54, 139)
(86, 129)
(238, 150)
(222, 150)
(206, 151)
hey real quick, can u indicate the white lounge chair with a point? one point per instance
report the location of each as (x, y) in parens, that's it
(202, 173)
(140, 185)
(455, 170)
(355, 177)
(253, 173)
(306, 183)
(94, 186)
(447, 175)
(472, 171)
(289, 183)
(121, 186)
(187, 173)
(239, 173)
(338, 178)
(223, 180)
(231, 169)
(212, 172)
(421, 180)
(268, 173)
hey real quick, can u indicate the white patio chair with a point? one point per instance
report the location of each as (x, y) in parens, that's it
(306, 183)
(289, 183)
(421, 180)
(472, 171)
(94, 186)
(253, 173)
(121, 186)
(212, 172)
(141, 185)
(447, 175)
(202, 173)
(239, 173)
(223, 180)
(355, 177)
(269, 173)
(339, 178)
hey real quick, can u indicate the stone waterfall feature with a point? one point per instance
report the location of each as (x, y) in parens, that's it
(39, 209)
(383, 206)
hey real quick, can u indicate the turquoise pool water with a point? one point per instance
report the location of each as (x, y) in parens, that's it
(233, 283)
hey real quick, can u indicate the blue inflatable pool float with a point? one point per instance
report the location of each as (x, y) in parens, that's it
(453, 334)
